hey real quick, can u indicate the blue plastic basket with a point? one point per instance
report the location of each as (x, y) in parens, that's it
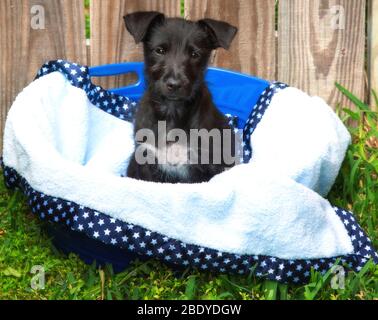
(233, 93)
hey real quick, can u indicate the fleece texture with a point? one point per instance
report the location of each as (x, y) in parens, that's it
(59, 144)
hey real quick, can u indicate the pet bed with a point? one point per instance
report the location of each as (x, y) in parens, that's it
(67, 143)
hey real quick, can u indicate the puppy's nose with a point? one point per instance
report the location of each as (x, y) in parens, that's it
(173, 84)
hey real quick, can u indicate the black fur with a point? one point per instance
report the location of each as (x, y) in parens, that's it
(176, 53)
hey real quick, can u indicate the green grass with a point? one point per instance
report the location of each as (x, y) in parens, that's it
(23, 244)
(87, 19)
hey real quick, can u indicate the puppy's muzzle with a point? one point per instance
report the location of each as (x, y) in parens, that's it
(173, 85)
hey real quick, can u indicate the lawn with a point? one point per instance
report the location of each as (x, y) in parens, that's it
(23, 244)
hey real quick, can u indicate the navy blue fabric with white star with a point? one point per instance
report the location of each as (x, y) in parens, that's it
(116, 105)
(136, 239)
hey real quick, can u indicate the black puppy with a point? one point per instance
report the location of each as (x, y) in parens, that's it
(176, 53)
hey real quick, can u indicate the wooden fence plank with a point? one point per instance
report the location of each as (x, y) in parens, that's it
(373, 48)
(320, 42)
(254, 49)
(110, 41)
(23, 49)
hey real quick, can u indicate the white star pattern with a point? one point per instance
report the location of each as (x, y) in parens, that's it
(136, 235)
(99, 228)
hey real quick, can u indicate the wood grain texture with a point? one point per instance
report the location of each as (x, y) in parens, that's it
(373, 47)
(111, 42)
(23, 50)
(254, 48)
(315, 50)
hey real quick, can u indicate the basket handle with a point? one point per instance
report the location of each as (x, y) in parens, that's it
(120, 68)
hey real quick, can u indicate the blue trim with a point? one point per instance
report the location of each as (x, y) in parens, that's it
(119, 106)
(146, 243)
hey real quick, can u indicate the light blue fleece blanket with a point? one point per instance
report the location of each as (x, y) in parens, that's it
(62, 145)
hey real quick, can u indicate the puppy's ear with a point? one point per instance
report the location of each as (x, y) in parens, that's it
(220, 32)
(137, 23)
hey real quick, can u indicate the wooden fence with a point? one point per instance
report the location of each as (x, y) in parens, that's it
(309, 44)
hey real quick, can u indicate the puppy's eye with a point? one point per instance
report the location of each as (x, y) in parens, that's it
(195, 55)
(160, 51)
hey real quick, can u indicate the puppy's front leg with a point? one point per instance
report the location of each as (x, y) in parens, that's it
(141, 172)
(133, 168)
